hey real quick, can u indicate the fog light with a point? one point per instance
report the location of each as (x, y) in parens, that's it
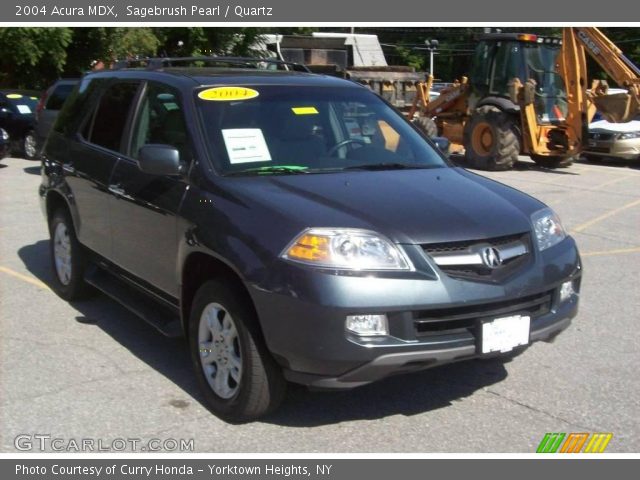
(368, 324)
(566, 291)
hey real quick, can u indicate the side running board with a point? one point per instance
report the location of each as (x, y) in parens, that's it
(163, 318)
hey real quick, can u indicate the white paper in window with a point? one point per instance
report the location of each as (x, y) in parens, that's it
(24, 109)
(245, 145)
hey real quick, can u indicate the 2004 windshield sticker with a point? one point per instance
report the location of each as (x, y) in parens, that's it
(227, 94)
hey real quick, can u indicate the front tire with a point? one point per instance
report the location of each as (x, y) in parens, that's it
(30, 146)
(68, 258)
(490, 139)
(235, 371)
(427, 126)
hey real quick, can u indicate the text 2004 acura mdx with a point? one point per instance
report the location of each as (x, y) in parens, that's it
(296, 228)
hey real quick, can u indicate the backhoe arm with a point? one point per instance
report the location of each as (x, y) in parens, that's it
(621, 107)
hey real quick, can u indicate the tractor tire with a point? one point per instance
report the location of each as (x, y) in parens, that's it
(552, 162)
(427, 126)
(490, 140)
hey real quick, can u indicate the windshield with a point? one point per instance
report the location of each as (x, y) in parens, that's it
(551, 96)
(22, 104)
(293, 129)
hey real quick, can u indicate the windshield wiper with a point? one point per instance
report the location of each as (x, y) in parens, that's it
(271, 170)
(386, 166)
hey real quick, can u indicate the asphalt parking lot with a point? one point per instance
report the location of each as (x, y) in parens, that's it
(93, 370)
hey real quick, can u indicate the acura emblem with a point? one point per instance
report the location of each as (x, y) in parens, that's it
(491, 257)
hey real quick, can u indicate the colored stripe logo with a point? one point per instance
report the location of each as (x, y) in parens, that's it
(574, 442)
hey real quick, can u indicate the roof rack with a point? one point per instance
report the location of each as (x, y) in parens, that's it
(247, 62)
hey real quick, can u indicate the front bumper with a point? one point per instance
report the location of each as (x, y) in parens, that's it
(430, 354)
(433, 318)
(624, 149)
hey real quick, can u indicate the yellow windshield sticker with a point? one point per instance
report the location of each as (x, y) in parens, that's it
(305, 110)
(14, 95)
(228, 94)
(391, 137)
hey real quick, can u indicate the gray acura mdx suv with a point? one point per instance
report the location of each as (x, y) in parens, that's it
(294, 227)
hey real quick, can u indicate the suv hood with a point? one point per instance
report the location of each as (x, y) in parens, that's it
(408, 206)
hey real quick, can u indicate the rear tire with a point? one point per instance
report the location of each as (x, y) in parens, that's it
(427, 126)
(490, 140)
(30, 146)
(236, 373)
(68, 258)
(552, 162)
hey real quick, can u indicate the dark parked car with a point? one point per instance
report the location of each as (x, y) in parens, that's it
(17, 109)
(49, 106)
(294, 227)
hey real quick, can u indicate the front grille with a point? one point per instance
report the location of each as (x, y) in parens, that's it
(601, 136)
(481, 273)
(432, 248)
(456, 320)
(598, 149)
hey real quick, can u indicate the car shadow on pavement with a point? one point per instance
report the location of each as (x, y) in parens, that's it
(169, 356)
(408, 394)
(612, 162)
(520, 166)
(32, 170)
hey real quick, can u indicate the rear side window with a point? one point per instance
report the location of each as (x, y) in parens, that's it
(58, 96)
(78, 106)
(110, 118)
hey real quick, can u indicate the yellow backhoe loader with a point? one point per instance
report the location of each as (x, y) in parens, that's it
(528, 95)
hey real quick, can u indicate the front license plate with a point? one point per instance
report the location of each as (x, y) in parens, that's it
(504, 334)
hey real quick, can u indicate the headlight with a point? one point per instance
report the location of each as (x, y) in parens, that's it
(350, 249)
(547, 227)
(3, 134)
(628, 135)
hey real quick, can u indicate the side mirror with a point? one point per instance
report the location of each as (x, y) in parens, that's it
(159, 160)
(443, 144)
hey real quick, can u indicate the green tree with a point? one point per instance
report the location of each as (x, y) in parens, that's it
(105, 45)
(133, 42)
(32, 57)
(409, 57)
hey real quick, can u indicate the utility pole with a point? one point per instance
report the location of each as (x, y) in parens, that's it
(432, 46)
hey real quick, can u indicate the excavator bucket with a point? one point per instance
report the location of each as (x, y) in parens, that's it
(617, 107)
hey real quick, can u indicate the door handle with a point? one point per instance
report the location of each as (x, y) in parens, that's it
(67, 167)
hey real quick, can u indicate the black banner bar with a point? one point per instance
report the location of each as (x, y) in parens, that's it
(325, 469)
(279, 11)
